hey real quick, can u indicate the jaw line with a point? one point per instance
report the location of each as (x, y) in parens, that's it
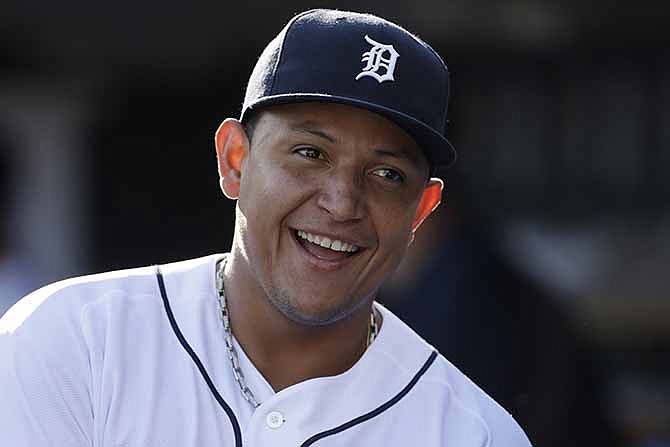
(281, 301)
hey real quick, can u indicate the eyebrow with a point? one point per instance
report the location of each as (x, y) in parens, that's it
(401, 155)
(312, 128)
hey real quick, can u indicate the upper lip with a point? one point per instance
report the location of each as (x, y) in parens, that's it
(334, 236)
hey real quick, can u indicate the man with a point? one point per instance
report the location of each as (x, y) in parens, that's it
(278, 342)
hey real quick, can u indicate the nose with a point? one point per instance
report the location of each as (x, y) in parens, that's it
(342, 196)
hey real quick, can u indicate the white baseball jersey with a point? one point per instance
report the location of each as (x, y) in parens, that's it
(132, 358)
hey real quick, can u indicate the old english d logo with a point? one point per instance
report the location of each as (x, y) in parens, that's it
(380, 61)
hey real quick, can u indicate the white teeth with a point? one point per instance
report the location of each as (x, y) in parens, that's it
(326, 242)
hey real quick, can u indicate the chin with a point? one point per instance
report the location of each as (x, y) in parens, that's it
(309, 314)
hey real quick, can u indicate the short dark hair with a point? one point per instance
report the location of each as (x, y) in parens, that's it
(250, 122)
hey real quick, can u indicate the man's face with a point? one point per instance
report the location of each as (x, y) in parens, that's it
(327, 200)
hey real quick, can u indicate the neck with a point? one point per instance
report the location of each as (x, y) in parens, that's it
(284, 351)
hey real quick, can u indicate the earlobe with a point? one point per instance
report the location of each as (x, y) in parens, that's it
(430, 199)
(232, 147)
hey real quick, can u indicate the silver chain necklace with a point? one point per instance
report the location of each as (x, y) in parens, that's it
(230, 347)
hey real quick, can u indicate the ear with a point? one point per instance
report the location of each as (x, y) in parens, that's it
(232, 147)
(430, 199)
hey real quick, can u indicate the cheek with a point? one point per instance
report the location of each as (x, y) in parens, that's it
(269, 192)
(254, 215)
(256, 190)
(393, 227)
(394, 220)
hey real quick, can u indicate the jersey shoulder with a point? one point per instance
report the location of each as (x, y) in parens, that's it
(63, 302)
(57, 343)
(466, 411)
(501, 428)
(61, 307)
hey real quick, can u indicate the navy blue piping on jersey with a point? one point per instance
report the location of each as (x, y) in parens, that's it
(196, 360)
(377, 411)
(231, 415)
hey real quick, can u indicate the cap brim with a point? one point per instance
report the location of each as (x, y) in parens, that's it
(439, 151)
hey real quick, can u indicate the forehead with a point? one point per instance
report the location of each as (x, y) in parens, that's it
(340, 123)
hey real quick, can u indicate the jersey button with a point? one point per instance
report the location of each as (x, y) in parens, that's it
(274, 419)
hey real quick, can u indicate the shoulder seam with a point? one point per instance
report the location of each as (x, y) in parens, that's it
(475, 414)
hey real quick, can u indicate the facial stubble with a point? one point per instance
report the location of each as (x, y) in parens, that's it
(285, 303)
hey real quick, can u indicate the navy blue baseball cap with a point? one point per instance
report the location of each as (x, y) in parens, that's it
(361, 60)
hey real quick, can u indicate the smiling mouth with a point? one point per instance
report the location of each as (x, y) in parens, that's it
(325, 248)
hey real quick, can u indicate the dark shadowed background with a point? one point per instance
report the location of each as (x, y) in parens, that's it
(544, 276)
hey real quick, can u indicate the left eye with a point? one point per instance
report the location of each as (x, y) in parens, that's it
(389, 174)
(310, 152)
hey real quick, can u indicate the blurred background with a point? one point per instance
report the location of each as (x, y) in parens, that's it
(543, 276)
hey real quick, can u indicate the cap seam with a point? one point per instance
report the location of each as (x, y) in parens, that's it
(446, 73)
(287, 30)
(428, 47)
(445, 103)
